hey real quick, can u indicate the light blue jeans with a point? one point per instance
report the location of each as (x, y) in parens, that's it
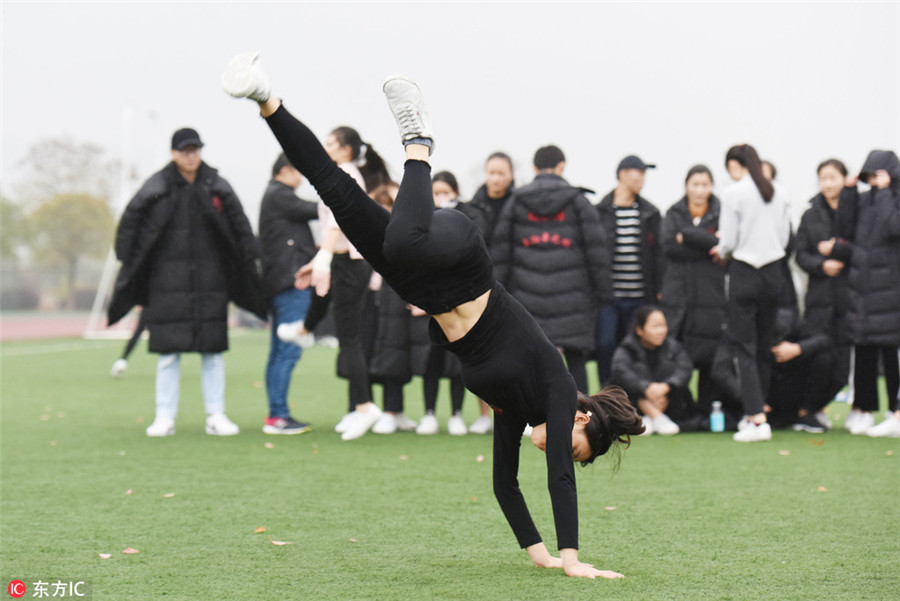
(168, 383)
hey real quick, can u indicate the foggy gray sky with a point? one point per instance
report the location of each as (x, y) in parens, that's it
(676, 83)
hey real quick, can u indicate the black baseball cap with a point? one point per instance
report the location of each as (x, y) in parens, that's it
(185, 137)
(633, 162)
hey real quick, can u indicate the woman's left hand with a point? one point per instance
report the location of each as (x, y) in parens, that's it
(586, 570)
(541, 556)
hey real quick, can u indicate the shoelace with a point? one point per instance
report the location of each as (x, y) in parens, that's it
(408, 119)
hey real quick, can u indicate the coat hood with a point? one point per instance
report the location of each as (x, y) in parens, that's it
(548, 194)
(881, 160)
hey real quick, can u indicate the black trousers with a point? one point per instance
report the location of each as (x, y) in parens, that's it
(750, 327)
(865, 376)
(434, 370)
(349, 283)
(808, 383)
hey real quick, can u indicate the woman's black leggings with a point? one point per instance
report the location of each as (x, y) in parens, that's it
(865, 376)
(432, 377)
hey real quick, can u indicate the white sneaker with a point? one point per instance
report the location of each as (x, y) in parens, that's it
(889, 428)
(290, 332)
(362, 423)
(665, 426)
(754, 433)
(428, 425)
(862, 423)
(648, 426)
(824, 420)
(456, 426)
(744, 424)
(851, 419)
(386, 424)
(161, 426)
(245, 78)
(118, 368)
(526, 433)
(406, 103)
(405, 424)
(345, 422)
(482, 425)
(219, 425)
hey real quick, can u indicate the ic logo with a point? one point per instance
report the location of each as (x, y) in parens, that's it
(16, 589)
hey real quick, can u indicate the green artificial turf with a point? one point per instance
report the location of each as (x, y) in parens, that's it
(694, 517)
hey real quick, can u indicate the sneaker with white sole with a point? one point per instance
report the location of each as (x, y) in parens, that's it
(345, 422)
(754, 433)
(244, 78)
(290, 332)
(808, 423)
(824, 420)
(285, 425)
(483, 424)
(386, 424)
(406, 103)
(850, 421)
(118, 368)
(663, 424)
(217, 424)
(526, 433)
(889, 428)
(161, 426)
(428, 425)
(362, 423)
(456, 426)
(648, 426)
(405, 424)
(862, 423)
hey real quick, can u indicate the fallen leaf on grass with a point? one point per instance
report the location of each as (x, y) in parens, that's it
(104, 555)
(822, 489)
(609, 508)
(52, 443)
(169, 495)
(403, 457)
(121, 453)
(315, 451)
(784, 452)
(280, 543)
(260, 529)
(353, 540)
(816, 442)
(256, 384)
(888, 453)
(140, 420)
(60, 414)
(480, 458)
(129, 491)
(130, 551)
(45, 417)
(269, 445)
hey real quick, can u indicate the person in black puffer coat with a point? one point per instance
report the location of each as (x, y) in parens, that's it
(874, 311)
(186, 249)
(693, 289)
(549, 251)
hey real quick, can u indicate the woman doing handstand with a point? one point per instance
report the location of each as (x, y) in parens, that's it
(435, 259)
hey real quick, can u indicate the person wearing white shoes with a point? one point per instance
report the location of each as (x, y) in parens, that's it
(435, 260)
(121, 364)
(755, 229)
(187, 249)
(655, 369)
(889, 428)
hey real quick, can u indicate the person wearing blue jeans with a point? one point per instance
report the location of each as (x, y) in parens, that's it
(287, 244)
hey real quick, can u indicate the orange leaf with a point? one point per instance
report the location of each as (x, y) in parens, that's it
(128, 492)
(140, 420)
(130, 551)
(816, 442)
(260, 529)
(52, 443)
(403, 457)
(822, 489)
(888, 453)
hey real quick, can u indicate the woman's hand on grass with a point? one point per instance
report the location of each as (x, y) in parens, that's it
(542, 558)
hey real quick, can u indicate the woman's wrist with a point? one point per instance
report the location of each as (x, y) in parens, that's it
(569, 557)
(322, 261)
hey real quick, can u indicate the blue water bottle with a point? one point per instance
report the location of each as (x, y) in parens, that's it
(717, 418)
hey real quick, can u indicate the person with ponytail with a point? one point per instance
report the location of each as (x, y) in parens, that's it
(436, 260)
(755, 229)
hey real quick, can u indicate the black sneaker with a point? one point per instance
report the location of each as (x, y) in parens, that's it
(285, 425)
(808, 423)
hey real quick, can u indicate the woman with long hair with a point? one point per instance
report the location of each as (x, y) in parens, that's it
(755, 229)
(436, 260)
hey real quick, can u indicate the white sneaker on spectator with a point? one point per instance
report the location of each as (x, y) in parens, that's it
(483, 424)
(526, 433)
(889, 428)
(428, 425)
(245, 78)
(863, 422)
(218, 424)
(456, 426)
(345, 422)
(386, 424)
(290, 332)
(851, 419)
(404, 423)
(664, 425)
(824, 420)
(362, 423)
(118, 368)
(648, 426)
(744, 424)
(754, 433)
(161, 426)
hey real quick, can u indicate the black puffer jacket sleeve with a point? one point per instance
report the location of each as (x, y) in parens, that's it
(596, 250)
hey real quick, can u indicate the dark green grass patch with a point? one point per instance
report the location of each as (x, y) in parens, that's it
(694, 517)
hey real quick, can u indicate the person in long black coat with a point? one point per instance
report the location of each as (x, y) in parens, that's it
(874, 310)
(550, 252)
(186, 249)
(693, 288)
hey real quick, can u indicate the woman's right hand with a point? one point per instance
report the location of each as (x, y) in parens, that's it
(586, 570)
(321, 281)
(825, 247)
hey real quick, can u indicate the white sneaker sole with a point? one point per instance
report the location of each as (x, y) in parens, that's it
(237, 79)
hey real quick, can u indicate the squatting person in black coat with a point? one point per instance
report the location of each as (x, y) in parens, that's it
(550, 252)
(874, 312)
(186, 249)
(693, 289)
(435, 260)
